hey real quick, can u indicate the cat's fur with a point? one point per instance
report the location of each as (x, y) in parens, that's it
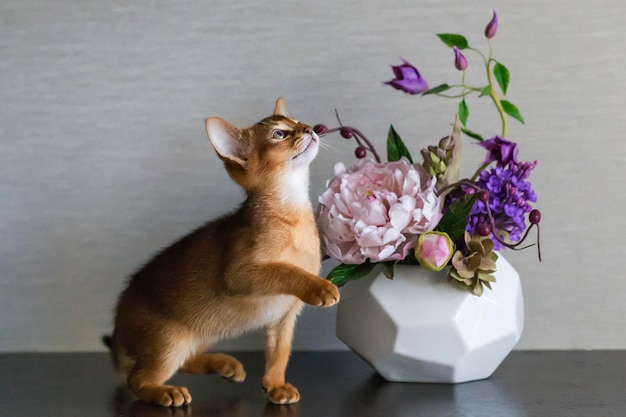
(249, 269)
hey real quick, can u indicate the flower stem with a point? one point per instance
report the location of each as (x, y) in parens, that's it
(455, 96)
(479, 52)
(494, 96)
(466, 90)
(479, 170)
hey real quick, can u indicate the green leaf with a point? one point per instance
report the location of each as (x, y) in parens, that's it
(395, 147)
(502, 76)
(344, 273)
(510, 109)
(463, 112)
(485, 91)
(454, 220)
(452, 39)
(471, 134)
(387, 268)
(439, 89)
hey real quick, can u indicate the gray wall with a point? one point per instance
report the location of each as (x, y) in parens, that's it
(104, 158)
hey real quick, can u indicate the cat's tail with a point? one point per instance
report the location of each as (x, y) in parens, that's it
(123, 364)
(107, 340)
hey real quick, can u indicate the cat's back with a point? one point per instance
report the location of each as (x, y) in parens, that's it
(197, 259)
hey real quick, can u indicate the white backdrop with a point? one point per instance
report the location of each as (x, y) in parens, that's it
(104, 158)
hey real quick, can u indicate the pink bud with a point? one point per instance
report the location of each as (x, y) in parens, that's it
(492, 26)
(460, 62)
(434, 250)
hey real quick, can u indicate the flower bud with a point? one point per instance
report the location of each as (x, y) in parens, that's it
(460, 62)
(492, 26)
(434, 250)
(360, 152)
(446, 143)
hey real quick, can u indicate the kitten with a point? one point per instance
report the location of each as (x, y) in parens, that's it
(249, 269)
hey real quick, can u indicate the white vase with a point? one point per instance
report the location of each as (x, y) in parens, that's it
(420, 328)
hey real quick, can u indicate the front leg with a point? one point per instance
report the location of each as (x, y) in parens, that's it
(279, 338)
(283, 278)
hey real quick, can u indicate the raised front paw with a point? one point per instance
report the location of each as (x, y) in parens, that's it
(321, 293)
(282, 394)
(231, 369)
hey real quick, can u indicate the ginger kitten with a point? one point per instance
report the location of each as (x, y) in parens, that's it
(249, 269)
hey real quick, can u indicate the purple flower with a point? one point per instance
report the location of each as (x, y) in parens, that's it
(460, 62)
(509, 200)
(408, 79)
(492, 26)
(500, 150)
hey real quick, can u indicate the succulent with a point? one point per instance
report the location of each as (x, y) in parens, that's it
(474, 268)
(442, 161)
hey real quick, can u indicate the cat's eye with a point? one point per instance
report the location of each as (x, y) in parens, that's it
(279, 134)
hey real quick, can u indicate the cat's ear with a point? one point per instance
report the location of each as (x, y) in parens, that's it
(280, 109)
(227, 141)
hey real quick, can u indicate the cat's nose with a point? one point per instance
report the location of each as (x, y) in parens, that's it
(308, 130)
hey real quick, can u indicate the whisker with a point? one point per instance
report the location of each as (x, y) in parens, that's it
(327, 146)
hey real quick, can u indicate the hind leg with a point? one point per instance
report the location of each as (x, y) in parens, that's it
(146, 382)
(218, 363)
(147, 378)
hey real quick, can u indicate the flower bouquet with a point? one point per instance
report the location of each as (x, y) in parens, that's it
(417, 222)
(420, 213)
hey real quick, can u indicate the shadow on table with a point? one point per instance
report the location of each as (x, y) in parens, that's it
(377, 397)
(127, 405)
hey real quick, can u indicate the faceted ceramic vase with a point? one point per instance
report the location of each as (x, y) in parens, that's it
(420, 328)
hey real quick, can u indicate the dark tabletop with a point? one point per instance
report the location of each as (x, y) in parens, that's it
(332, 384)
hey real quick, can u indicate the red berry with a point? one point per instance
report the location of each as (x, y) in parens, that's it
(483, 195)
(534, 216)
(483, 229)
(320, 129)
(360, 152)
(346, 132)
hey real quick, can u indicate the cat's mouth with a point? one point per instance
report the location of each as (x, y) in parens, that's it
(309, 145)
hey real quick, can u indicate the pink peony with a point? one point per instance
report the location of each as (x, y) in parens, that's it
(376, 210)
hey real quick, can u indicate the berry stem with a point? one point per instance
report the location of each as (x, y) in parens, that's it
(358, 136)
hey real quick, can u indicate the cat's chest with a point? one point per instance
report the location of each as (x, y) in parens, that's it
(303, 248)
